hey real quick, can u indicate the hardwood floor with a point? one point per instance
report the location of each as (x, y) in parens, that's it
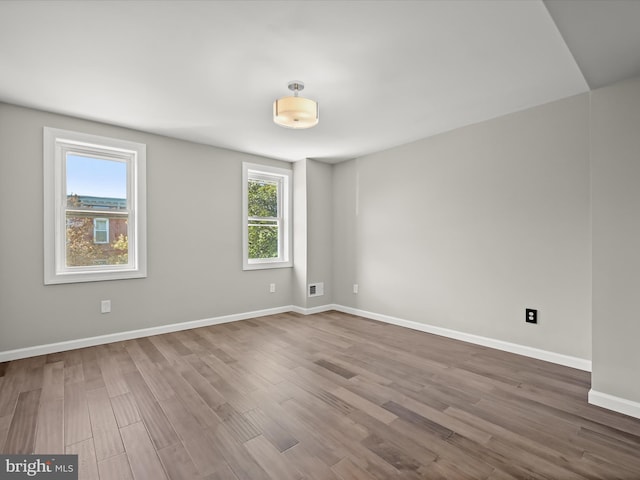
(326, 397)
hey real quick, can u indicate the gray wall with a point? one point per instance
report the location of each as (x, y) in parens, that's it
(345, 232)
(313, 231)
(615, 160)
(299, 286)
(466, 229)
(194, 247)
(320, 230)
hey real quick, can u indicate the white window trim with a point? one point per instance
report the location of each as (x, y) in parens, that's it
(95, 229)
(56, 142)
(284, 259)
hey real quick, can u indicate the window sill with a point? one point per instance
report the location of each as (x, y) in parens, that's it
(266, 265)
(79, 277)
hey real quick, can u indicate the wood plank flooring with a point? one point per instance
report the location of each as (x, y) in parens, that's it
(322, 397)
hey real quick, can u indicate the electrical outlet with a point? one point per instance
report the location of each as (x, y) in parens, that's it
(355, 288)
(531, 315)
(105, 306)
(272, 288)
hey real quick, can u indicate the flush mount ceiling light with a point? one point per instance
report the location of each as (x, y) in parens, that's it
(295, 112)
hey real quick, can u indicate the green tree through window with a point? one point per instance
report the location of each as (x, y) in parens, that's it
(263, 206)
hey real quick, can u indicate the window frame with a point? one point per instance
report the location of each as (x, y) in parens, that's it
(283, 177)
(57, 143)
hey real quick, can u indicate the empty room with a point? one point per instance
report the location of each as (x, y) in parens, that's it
(320, 240)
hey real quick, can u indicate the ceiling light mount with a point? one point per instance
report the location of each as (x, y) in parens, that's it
(296, 86)
(295, 112)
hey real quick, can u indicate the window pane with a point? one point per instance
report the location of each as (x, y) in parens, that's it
(96, 183)
(263, 198)
(263, 241)
(100, 230)
(91, 243)
(100, 236)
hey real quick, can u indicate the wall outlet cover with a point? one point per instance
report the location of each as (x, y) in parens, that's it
(105, 306)
(531, 315)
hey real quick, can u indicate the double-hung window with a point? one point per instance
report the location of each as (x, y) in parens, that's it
(101, 230)
(94, 208)
(267, 217)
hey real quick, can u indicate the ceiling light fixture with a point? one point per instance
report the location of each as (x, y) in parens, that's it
(295, 112)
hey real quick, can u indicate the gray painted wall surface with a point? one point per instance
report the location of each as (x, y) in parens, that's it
(194, 249)
(313, 231)
(298, 287)
(466, 229)
(615, 163)
(345, 232)
(320, 230)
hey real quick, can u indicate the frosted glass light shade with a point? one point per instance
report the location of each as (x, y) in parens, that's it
(295, 112)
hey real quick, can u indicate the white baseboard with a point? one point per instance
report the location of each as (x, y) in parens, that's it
(566, 360)
(144, 332)
(617, 404)
(312, 310)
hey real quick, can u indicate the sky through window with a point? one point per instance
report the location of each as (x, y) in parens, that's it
(96, 177)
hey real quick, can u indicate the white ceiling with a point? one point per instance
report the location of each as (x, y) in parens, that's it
(384, 72)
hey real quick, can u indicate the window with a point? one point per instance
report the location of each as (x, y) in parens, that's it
(267, 212)
(94, 208)
(100, 230)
